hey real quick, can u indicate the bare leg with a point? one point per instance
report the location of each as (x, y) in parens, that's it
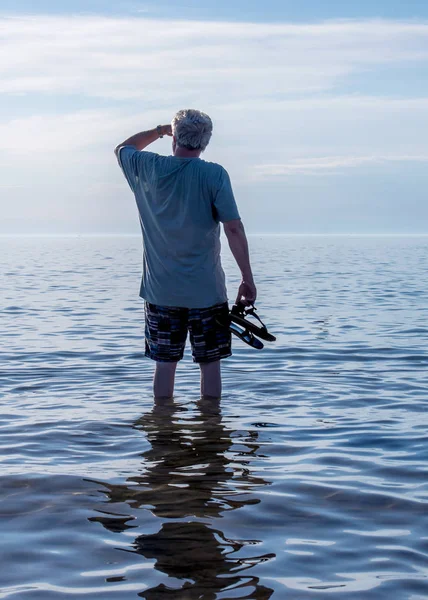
(163, 382)
(210, 380)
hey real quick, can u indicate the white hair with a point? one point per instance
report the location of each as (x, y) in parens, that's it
(192, 129)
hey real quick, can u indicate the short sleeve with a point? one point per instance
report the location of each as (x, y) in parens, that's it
(225, 207)
(134, 164)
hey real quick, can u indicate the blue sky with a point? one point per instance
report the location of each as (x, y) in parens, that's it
(319, 108)
(236, 10)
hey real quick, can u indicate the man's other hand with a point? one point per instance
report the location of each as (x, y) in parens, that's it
(247, 293)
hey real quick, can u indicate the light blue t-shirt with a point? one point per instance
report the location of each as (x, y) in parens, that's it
(181, 202)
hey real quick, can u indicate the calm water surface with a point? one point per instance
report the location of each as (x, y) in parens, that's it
(310, 479)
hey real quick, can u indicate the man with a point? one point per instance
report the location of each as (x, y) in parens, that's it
(181, 200)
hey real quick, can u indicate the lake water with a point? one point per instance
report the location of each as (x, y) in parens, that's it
(310, 480)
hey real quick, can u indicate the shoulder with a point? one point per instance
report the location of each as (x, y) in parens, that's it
(214, 170)
(130, 155)
(144, 155)
(212, 165)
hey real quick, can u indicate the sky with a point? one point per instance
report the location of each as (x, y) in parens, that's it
(320, 109)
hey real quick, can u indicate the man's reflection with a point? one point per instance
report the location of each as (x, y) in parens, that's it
(193, 473)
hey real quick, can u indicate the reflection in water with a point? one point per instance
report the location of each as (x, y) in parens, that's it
(192, 476)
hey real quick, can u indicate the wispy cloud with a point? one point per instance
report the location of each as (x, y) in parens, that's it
(70, 132)
(328, 164)
(256, 79)
(153, 59)
(12, 186)
(276, 93)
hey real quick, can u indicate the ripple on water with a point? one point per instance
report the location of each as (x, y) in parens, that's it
(310, 482)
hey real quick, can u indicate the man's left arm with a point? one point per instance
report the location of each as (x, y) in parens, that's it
(144, 138)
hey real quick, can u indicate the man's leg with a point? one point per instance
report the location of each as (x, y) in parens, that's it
(210, 338)
(165, 339)
(163, 382)
(210, 380)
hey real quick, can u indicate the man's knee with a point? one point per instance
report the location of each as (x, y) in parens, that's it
(166, 366)
(209, 366)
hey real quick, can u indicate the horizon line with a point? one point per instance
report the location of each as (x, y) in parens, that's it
(261, 233)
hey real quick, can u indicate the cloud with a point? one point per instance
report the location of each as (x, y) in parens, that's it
(284, 129)
(281, 97)
(327, 164)
(152, 60)
(11, 186)
(68, 133)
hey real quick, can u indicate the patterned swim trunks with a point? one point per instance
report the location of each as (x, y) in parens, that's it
(166, 332)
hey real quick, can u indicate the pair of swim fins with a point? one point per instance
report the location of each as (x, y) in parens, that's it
(247, 330)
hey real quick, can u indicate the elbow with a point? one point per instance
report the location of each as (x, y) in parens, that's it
(233, 228)
(118, 149)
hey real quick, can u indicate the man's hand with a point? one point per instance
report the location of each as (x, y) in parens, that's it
(247, 293)
(166, 129)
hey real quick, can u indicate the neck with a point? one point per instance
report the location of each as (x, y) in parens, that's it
(185, 153)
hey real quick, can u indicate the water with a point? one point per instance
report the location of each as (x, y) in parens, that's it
(309, 481)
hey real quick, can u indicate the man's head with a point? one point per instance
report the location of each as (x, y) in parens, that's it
(192, 130)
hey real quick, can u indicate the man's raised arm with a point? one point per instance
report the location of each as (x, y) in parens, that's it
(144, 138)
